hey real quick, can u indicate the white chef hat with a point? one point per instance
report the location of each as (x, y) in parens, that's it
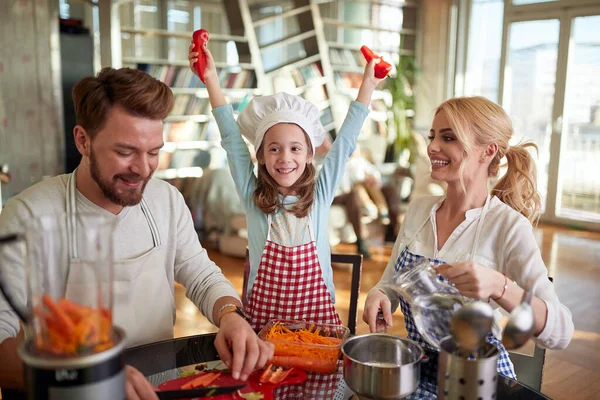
(265, 111)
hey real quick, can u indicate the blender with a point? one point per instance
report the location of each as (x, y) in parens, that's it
(60, 286)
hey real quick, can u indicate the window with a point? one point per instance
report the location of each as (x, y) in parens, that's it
(484, 49)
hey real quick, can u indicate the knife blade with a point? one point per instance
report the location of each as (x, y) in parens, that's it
(198, 392)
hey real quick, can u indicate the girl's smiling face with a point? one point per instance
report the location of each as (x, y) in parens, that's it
(285, 153)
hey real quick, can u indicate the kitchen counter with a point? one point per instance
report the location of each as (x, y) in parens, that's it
(163, 361)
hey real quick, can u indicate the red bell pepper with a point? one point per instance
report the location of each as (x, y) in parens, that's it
(382, 68)
(274, 375)
(200, 37)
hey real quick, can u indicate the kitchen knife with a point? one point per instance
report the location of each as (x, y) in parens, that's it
(198, 392)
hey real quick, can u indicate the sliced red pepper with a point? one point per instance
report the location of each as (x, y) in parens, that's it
(368, 53)
(200, 37)
(382, 68)
(274, 375)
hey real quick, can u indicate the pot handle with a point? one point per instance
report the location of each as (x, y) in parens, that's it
(21, 312)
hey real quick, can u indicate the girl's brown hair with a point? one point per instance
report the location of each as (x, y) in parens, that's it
(478, 121)
(266, 195)
(135, 91)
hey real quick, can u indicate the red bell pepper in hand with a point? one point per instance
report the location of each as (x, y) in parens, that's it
(382, 68)
(200, 37)
(274, 375)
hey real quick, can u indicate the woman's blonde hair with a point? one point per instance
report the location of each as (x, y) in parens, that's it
(477, 121)
(266, 195)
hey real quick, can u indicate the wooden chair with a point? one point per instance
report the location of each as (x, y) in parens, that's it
(354, 259)
(529, 369)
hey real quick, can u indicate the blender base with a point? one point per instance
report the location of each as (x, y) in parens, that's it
(97, 376)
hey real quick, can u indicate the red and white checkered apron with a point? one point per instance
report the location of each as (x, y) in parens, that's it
(290, 285)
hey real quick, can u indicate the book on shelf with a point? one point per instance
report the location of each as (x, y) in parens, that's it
(326, 117)
(189, 104)
(172, 75)
(346, 57)
(295, 78)
(182, 76)
(348, 79)
(187, 131)
(315, 94)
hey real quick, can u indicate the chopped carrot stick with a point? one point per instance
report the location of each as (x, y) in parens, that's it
(308, 364)
(61, 318)
(203, 380)
(69, 328)
(319, 346)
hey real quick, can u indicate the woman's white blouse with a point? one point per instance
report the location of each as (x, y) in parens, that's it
(506, 244)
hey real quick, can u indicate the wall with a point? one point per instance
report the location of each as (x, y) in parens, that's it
(31, 133)
(434, 55)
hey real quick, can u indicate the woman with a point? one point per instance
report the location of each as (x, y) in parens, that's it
(481, 243)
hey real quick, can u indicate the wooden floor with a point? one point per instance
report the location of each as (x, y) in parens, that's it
(573, 259)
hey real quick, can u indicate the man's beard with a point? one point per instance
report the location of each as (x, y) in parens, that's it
(129, 197)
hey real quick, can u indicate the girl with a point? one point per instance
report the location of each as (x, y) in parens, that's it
(491, 234)
(287, 205)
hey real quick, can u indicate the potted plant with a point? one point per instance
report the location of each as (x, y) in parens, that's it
(400, 87)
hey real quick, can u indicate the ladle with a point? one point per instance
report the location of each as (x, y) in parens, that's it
(470, 325)
(521, 323)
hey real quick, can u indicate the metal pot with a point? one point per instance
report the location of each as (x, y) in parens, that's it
(381, 366)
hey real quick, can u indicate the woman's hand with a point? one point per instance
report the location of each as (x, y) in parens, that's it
(377, 300)
(210, 70)
(369, 83)
(473, 280)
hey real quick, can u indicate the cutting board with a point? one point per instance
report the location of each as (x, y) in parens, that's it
(252, 384)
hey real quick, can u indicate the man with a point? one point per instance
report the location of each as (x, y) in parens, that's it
(119, 135)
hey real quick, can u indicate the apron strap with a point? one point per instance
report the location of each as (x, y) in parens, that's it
(269, 220)
(486, 206)
(151, 222)
(412, 239)
(71, 206)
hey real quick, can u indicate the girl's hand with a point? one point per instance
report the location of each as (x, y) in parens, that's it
(377, 300)
(210, 70)
(369, 83)
(369, 78)
(473, 280)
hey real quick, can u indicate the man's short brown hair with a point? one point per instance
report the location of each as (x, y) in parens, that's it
(135, 91)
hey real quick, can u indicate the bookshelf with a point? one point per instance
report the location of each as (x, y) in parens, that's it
(293, 53)
(309, 48)
(383, 26)
(155, 35)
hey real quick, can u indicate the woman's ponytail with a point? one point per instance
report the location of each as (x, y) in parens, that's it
(518, 187)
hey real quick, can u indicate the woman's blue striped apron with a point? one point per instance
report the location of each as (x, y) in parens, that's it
(427, 388)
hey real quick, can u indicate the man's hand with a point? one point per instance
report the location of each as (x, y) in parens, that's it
(137, 387)
(249, 352)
